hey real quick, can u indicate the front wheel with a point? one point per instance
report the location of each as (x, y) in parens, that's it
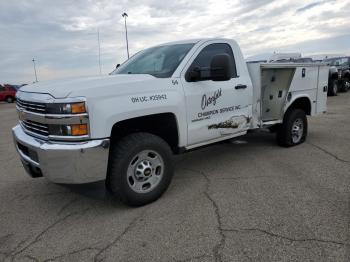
(293, 131)
(140, 168)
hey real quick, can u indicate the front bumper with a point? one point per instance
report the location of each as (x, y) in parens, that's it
(62, 162)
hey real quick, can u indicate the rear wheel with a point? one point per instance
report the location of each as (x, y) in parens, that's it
(140, 169)
(346, 84)
(10, 99)
(333, 88)
(293, 131)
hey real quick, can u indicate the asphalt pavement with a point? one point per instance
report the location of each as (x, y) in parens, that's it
(246, 200)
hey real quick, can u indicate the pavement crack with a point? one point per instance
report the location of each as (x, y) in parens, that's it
(38, 236)
(328, 153)
(220, 244)
(72, 253)
(31, 258)
(23, 197)
(5, 254)
(72, 201)
(284, 237)
(117, 239)
(19, 244)
(193, 258)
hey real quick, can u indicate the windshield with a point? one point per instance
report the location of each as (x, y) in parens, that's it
(160, 61)
(337, 61)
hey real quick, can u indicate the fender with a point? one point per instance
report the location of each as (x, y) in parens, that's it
(108, 111)
(294, 98)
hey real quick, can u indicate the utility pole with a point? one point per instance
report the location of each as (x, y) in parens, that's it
(99, 50)
(125, 15)
(36, 78)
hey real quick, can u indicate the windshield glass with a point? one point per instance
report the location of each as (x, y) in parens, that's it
(337, 61)
(160, 61)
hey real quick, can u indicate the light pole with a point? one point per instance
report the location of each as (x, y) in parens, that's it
(125, 15)
(99, 50)
(36, 78)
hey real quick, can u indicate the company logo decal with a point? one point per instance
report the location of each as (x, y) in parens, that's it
(211, 100)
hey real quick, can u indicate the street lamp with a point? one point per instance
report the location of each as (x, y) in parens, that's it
(99, 50)
(125, 15)
(36, 78)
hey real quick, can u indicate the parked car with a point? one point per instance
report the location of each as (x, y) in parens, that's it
(294, 60)
(7, 93)
(274, 58)
(339, 74)
(17, 87)
(164, 100)
(284, 57)
(304, 60)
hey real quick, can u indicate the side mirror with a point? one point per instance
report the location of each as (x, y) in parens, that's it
(220, 68)
(194, 75)
(118, 65)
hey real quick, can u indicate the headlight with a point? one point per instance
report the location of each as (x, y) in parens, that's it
(69, 130)
(74, 125)
(66, 108)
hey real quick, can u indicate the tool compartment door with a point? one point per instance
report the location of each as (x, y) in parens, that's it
(322, 88)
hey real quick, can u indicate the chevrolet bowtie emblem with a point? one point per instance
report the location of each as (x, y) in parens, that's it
(21, 114)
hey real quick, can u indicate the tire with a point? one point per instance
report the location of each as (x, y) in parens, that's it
(346, 84)
(10, 99)
(293, 131)
(140, 169)
(333, 88)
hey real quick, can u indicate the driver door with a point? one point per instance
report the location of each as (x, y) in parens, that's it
(215, 109)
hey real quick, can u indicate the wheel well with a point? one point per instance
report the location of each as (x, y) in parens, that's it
(302, 103)
(163, 125)
(333, 76)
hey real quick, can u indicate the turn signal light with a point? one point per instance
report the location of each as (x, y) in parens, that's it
(78, 108)
(79, 130)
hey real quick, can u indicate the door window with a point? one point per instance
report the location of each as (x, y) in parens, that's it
(204, 58)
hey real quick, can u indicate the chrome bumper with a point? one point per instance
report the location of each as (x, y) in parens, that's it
(62, 162)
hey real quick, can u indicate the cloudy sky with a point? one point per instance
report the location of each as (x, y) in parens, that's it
(62, 34)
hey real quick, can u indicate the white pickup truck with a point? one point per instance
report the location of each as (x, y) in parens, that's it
(124, 128)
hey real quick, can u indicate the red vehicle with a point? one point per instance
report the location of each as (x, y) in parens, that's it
(7, 93)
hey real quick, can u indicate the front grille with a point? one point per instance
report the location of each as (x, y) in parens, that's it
(31, 106)
(34, 127)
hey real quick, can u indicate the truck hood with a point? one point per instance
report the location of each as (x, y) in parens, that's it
(86, 86)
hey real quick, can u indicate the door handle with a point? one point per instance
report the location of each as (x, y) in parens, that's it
(240, 86)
